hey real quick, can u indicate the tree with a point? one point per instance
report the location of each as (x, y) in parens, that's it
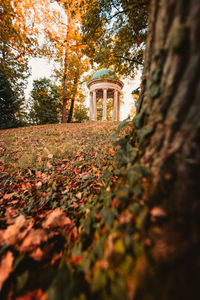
(66, 45)
(80, 113)
(46, 99)
(8, 102)
(115, 32)
(19, 36)
(167, 132)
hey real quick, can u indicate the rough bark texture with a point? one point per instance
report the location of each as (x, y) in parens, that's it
(169, 113)
(69, 119)
(71, 110)
(65, 77)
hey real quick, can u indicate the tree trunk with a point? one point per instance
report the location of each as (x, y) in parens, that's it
(65, 77)
(169, 115)
(71, 111)
(73, 100)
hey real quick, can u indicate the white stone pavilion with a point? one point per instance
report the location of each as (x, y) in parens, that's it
(105, 85)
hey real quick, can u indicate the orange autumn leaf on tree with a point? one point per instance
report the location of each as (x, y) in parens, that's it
(5, 267)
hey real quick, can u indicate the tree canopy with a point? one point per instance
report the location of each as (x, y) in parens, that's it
(115, 33)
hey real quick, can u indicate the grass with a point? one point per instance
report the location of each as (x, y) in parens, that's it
(43, 168)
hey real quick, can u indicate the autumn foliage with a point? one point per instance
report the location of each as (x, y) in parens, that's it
(43, 189)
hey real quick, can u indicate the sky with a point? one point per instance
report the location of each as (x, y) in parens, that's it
(43, 68)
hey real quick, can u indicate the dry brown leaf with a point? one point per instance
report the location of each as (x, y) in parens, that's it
(11, 234)
(33, 240)
(37, 254)
(48, 165)
(8, 196)
(56, 218)
(158, 212)
(5, 267)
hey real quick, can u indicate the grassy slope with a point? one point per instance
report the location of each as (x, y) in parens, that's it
(45, 168)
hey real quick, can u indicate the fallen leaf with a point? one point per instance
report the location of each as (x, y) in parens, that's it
(79, 195)
(8, 196)
(158, 212)
(38, 184)
(33, 240)
(56, 218)
(50, 155)
(56, 257)
(37, 254)
(48, 165)
(5, 267)
(37, 294)
(10, 235)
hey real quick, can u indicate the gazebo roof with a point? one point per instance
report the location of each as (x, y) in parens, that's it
(105, 73)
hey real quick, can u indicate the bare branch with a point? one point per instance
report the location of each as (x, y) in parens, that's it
(129, 59)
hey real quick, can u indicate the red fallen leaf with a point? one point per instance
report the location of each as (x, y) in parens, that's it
(23, 186)
(33, 240)
(76, 259)
(125, 218)
(8, 196)
(11, 234)
(10, 213)
(37, 254)
(56, 257)
(1, 236)
(5, 267)
(56, 218)
(73, 233)
(38, 173)
(37, 294)
(48, 165)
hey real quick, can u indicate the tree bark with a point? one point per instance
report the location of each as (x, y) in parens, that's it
(169, 115)
(71, 111)
(73, 100)
(65, 77)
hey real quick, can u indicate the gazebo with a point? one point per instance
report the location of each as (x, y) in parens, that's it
(105, 85)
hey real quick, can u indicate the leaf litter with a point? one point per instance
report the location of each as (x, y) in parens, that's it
(45, 181)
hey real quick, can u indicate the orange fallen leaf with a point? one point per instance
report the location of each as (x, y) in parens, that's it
(37, 254)
(10, 235)
(56, 218)
(37, 294)
(56, 257)
(48, 165)
(8, 196)
(5, 267)
(158, 212)
(33, 240)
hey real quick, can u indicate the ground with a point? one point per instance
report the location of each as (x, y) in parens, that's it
(48, 173)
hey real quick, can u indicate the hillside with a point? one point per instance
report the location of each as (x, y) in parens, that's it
(49, 176)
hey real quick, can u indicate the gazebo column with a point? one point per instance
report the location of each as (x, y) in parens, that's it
(115, 106)
(94, 106)
(118, 113)
(104, 118)
(91, 107)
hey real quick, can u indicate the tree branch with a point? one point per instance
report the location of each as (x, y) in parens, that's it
(129, 59)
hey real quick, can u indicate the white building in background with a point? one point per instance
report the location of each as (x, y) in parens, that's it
(105, 85)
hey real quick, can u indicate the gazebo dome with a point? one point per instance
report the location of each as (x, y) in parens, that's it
(105, 73)
(105, 84)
